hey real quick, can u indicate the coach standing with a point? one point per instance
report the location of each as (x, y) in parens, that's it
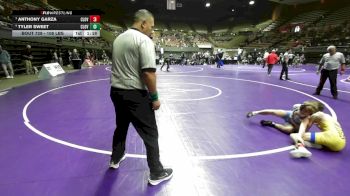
(284, 58)
(329, 66)
(134, 93)
(27, 60)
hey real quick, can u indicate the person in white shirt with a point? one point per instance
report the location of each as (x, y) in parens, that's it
(290, 57)
(329, 65)
(266, 54)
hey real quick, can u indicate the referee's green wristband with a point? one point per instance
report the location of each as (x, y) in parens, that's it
(154, 96)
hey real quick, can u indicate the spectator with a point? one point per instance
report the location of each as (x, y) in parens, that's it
(271, 60)
(329, 66)
(76, 59)
(27, 60)
(5, 61)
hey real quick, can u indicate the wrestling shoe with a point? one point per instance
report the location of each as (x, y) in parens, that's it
(300, 152)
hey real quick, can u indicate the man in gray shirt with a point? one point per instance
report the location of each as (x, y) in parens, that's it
(329, 66)
(134, 93)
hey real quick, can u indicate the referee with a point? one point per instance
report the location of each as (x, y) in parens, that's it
(134, 93)
(329, 66)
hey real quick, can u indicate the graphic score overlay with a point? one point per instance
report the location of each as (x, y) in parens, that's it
(39, 23)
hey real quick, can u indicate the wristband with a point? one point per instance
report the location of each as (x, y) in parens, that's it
(154, 96)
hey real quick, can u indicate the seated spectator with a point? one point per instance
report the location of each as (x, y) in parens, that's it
(5, 61)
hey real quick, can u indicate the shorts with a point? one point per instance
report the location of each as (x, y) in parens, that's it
(288, 119)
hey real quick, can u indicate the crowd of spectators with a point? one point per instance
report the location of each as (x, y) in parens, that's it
(258, 57)
(337, 34)
(307, 35)
(166, 38)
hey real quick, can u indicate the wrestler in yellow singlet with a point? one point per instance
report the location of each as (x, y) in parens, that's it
(331, 135)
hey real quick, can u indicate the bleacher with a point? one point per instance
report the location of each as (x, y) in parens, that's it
(15, 48)
(202, 29)
(40, 47)
(40, 51)
(265, 35)
(308, 18)
(159, 25)
(220, 34)
(275, 24)
(180, 27)
(337, 17)
(261, 26)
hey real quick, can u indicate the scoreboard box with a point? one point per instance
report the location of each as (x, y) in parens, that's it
(95, 26)
(95, 18)
(39, 23)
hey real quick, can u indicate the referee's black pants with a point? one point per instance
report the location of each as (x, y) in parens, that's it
(332, 75)
(167, 65)
(135, 106)
(284, 70)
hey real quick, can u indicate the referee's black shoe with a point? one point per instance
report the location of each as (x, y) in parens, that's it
(155, 179)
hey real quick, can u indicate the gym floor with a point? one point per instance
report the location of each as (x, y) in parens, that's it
(56, 136)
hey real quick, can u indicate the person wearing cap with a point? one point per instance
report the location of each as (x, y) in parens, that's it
(329, 65)
(271, 60)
